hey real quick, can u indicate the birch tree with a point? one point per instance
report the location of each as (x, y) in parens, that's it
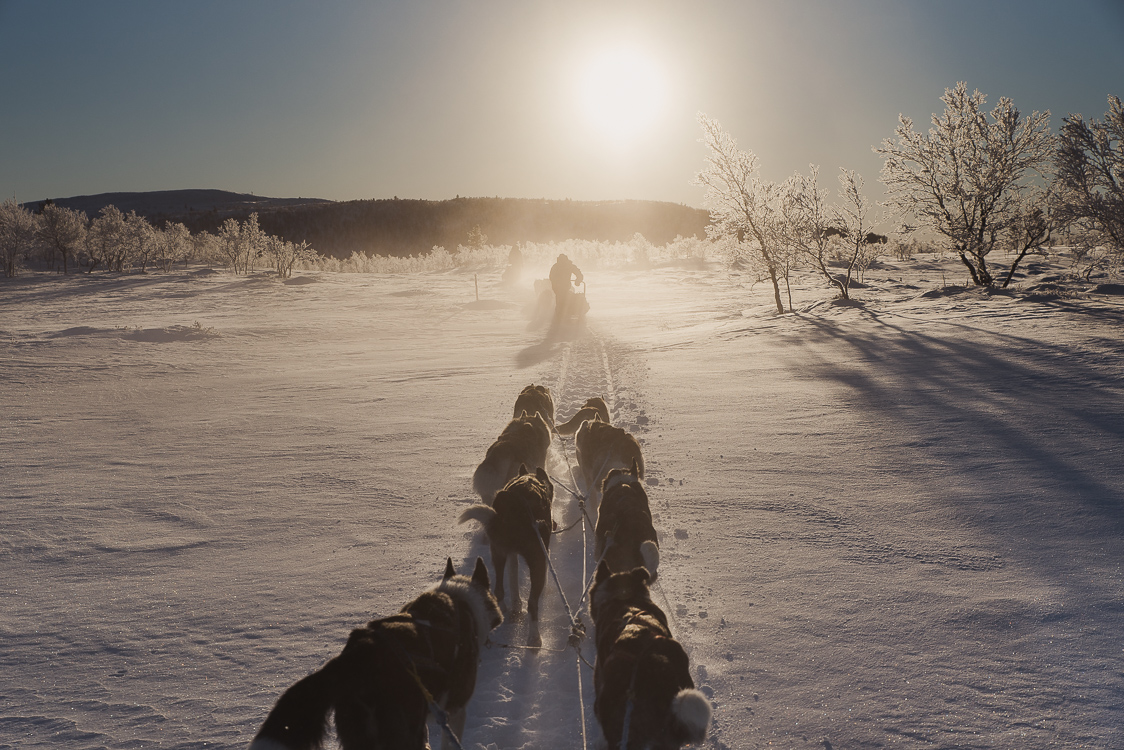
(61, 231)
(965, 178)
(743, 207)
(1090, 174)
(17, 235)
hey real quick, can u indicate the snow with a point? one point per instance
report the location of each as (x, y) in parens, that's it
(891, 524)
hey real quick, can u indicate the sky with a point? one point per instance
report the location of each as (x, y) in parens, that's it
(512, 98)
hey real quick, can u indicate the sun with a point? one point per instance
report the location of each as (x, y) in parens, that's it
(622, 93)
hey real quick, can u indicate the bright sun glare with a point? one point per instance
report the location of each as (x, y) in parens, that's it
(622, 93)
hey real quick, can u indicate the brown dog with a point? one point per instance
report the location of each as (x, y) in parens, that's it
(642, 680)
(518, 525)
(536, 398)
(594, 407)
(378, 685)
(601, 447)
(626, 538)
(525, 441)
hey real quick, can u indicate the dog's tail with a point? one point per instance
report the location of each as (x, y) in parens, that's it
(571, 426)
(651, 556)
(482, 513)
(690, 716)
(486, 480)
(299, 719)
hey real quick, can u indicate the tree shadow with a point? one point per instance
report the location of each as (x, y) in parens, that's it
(1030, 434)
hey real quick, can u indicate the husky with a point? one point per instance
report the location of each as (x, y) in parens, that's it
(518, 525)
(641, 673)
(625, 536)
(594, 407)
(536, 398)
(381, 684)
(525, 440)
(601, 447)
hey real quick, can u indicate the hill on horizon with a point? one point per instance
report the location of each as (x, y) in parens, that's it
(402, 227)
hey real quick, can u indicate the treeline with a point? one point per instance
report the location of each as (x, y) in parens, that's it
(401, 228)
(66, 239)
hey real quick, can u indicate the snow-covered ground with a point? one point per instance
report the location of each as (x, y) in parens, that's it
(889, 525)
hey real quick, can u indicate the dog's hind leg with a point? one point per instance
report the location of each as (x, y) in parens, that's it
(513, 571)
(537, 569)
(499, 562)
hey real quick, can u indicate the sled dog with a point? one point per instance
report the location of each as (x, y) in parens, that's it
(641, 672)
(601, 447)
(521, 511)
(536, 398)
(378, 685)
(626, 538)
(525, 440)
(594, 407)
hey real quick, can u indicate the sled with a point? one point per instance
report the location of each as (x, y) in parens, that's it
(576, 306)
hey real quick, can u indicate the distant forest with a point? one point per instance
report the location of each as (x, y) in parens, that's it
(402, 228)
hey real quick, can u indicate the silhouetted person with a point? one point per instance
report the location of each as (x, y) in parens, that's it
(561, 274)
(514, 271)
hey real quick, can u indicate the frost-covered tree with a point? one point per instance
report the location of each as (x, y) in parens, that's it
(205, 247)
(61, 231)
(855, 215)
(1090, 174)
(18, 230)
(142, 239)
(967, 176)
(284, 254)
(743, 207)
(476, 237)
(253, 241)
(107, 241)
(230, 243)
(171, 245)
(241, 243)
(832, 235)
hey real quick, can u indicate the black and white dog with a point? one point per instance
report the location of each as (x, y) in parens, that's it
(520, 513)
(645, 698)
(381, 684)
(626, 538)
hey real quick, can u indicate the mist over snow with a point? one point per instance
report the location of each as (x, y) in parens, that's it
(892, 523)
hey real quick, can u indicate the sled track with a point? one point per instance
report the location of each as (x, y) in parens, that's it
(530, 698)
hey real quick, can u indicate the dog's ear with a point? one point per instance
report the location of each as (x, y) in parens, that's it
(480, 574)
(641, 575)
(523, 414)
(635, 468)
(449, 571)
(523, 469)
(603, 572)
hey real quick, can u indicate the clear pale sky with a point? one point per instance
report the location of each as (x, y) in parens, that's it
(431, 98)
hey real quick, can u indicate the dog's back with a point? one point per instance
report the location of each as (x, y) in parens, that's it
(601, 447)
(525, 440)
(626, 537)
(641, 672)
(593, 408)
(377, 685)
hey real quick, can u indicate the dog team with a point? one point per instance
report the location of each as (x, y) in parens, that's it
(393, 672)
